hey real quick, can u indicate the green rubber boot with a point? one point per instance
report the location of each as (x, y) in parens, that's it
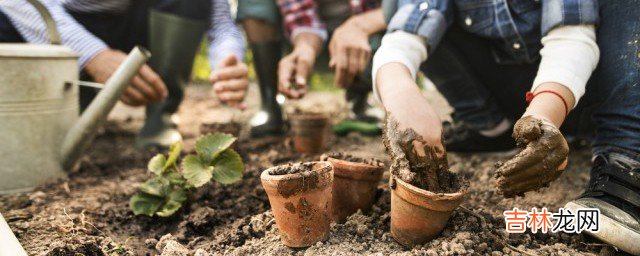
(173, 41)
(268, 121)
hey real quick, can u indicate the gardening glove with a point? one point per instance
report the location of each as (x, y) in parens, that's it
(542, 160)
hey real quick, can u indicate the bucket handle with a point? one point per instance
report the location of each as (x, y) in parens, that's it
(52, 30)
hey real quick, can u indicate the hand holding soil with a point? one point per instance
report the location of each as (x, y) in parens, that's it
(414, 160)
(541, 161)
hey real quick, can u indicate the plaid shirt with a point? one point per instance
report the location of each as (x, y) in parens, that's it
(302, 15)
(516, 26)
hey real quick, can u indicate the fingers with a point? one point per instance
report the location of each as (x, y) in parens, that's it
(232, 98)
(229, 72)
(230, 81)
(511, 188)
(293, 71)
(154, 80)
(523, 160)
(303, 68)
(286, 71)
(145, 89)
(343, 76)
(229, 60)
(231, 85)
(231, 92)
(527, 129)
(133, 97)
(349, 62)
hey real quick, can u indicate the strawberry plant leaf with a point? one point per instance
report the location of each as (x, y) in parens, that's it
(175, 178)
(174, 153)
(195, 172)
(228, 167)
(156, 164)
(175, 200)
(210, 146)
(156, 186)
(143, 203)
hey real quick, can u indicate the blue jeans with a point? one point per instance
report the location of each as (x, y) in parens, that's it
(483, 92)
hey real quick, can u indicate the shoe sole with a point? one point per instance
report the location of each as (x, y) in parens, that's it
(613, 232)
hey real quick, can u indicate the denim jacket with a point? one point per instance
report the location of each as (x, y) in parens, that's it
(514, 27)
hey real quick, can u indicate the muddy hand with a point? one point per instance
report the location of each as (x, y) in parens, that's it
(413, 160)
(541, 161)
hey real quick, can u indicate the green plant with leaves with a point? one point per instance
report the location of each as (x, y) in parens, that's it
(171, 185)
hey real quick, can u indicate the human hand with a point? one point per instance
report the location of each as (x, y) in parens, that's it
(231, 81)
(294, 70)
(413, 131)
(350, 53)
(542, 160)
(146, 87)
(403, 100)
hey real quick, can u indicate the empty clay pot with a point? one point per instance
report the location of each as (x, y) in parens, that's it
(301, 203)
(354, 184)
(418, 215)
(309, 131)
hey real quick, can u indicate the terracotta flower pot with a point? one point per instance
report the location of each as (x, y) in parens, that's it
(301, 203)
(418, 215)
(232, 128)
(309, 132)
(355, 181)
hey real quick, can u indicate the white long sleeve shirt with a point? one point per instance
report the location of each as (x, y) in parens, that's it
(224, 36)
(569, 56)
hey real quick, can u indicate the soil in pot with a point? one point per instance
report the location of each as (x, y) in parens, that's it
(300, 198)
(355, 180)
(232, 128)
(309, 131)
(424, 192)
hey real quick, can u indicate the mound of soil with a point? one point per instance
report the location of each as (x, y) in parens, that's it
(351, 158)
(89, 213)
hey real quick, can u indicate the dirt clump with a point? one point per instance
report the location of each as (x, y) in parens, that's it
(429, 171)
(352, 158)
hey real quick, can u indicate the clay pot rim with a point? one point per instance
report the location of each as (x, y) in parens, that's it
(266, 176)
(427, 199)
(420, 191)
(357, 170)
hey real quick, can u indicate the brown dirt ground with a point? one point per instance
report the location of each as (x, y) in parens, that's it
(89, 214)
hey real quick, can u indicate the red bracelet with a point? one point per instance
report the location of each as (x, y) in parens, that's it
(529, 97)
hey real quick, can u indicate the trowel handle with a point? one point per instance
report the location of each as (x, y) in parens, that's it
(81, 133)
(52, 30)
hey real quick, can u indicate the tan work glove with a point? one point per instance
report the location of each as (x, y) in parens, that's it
(542, 160)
